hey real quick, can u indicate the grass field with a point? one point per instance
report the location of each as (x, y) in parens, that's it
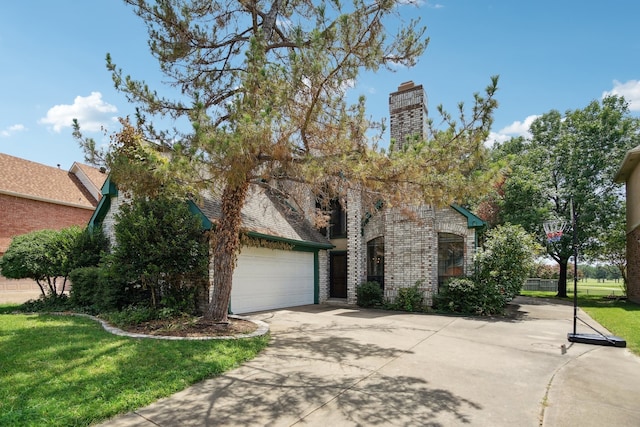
(593, 287)
(68, 371)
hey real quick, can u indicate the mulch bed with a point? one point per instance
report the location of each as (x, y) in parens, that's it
(193, 327)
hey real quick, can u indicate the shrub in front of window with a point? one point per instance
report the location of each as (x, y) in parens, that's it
(502, 267)
(465, 296)
(369, 294)
(506, 259)
(410, 298)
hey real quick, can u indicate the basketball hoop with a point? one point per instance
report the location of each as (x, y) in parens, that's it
(553, 229)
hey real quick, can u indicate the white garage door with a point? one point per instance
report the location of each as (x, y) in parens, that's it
(266, 279)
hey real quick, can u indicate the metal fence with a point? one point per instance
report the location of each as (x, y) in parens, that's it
(534, 284)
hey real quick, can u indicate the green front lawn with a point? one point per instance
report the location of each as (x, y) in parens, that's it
(68, 371)
(620, 317)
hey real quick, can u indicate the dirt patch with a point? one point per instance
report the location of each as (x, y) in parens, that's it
(193, 327)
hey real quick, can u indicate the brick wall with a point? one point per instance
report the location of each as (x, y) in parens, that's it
(355, 258)
(633, 265)
(411, 246)
(20, 216)
(323, 275)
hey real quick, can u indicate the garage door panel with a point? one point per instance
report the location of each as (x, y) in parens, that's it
(268, 279)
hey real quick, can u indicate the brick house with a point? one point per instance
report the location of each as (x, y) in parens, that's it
(358, 246)
(34, 196)
(386, 246)
(629, 173)
(398, 252)
(282, 260)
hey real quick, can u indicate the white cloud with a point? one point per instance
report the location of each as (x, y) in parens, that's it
(12, 130)
(517, 128)
(630, 90)
(91, 111)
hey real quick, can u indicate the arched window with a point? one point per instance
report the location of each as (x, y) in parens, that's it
(375, 261)
(450, 256)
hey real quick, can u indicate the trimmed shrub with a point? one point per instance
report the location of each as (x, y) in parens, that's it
(464, 296)
(410, 299)
(369, 294)
(506, 259)
(160, 249)
(43, 256)
(89, 248)
(85, 286)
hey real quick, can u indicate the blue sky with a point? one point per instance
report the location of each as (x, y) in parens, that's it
(549, 54)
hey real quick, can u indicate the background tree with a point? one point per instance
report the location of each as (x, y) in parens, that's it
(613, 247)
(263, 85)
(569, 158)
(44, 256)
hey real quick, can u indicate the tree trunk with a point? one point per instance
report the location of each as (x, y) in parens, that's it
(41, 286)
(562, 279)
(225, 243)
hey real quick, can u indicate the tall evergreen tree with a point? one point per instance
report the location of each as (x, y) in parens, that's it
(263, 85)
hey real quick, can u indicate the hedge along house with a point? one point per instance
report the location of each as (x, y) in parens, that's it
(629, 173)
(387, 246)
(283, 259)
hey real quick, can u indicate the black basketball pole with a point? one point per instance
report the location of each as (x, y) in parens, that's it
(598, 338)
(575, 267)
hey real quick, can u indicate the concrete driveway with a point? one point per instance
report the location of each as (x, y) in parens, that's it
(342, 366)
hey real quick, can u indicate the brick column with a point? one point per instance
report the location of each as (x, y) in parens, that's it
(355, 257)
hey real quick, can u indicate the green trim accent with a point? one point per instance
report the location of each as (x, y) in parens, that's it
(472, 220)
(101, 211)
(108, 190)
(316, 278)
(194, 209)
(298, 245)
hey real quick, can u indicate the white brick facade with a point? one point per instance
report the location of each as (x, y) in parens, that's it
(410, 246)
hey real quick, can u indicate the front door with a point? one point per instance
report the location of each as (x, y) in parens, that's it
(338, 275)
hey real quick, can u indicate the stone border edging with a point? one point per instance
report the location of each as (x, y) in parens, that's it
(263, 328)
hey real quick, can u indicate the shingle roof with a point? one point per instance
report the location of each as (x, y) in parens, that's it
(33, 180)
(96, 177)
(265, 214)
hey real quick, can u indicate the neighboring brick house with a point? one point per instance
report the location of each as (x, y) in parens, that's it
(34, 196)
(629, 173)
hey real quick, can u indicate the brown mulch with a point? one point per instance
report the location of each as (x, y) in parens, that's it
(193, 327)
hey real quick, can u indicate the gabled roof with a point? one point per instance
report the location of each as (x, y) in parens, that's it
(31, 180)
(265, 216)
(472, 220)
(92, 178)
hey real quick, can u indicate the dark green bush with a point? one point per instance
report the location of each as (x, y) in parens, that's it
(89, 248)
(369, 294)
(131, 315)
(47, 304)
(464, 296)
(84, 287)
(409, 299)
(160, 249)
